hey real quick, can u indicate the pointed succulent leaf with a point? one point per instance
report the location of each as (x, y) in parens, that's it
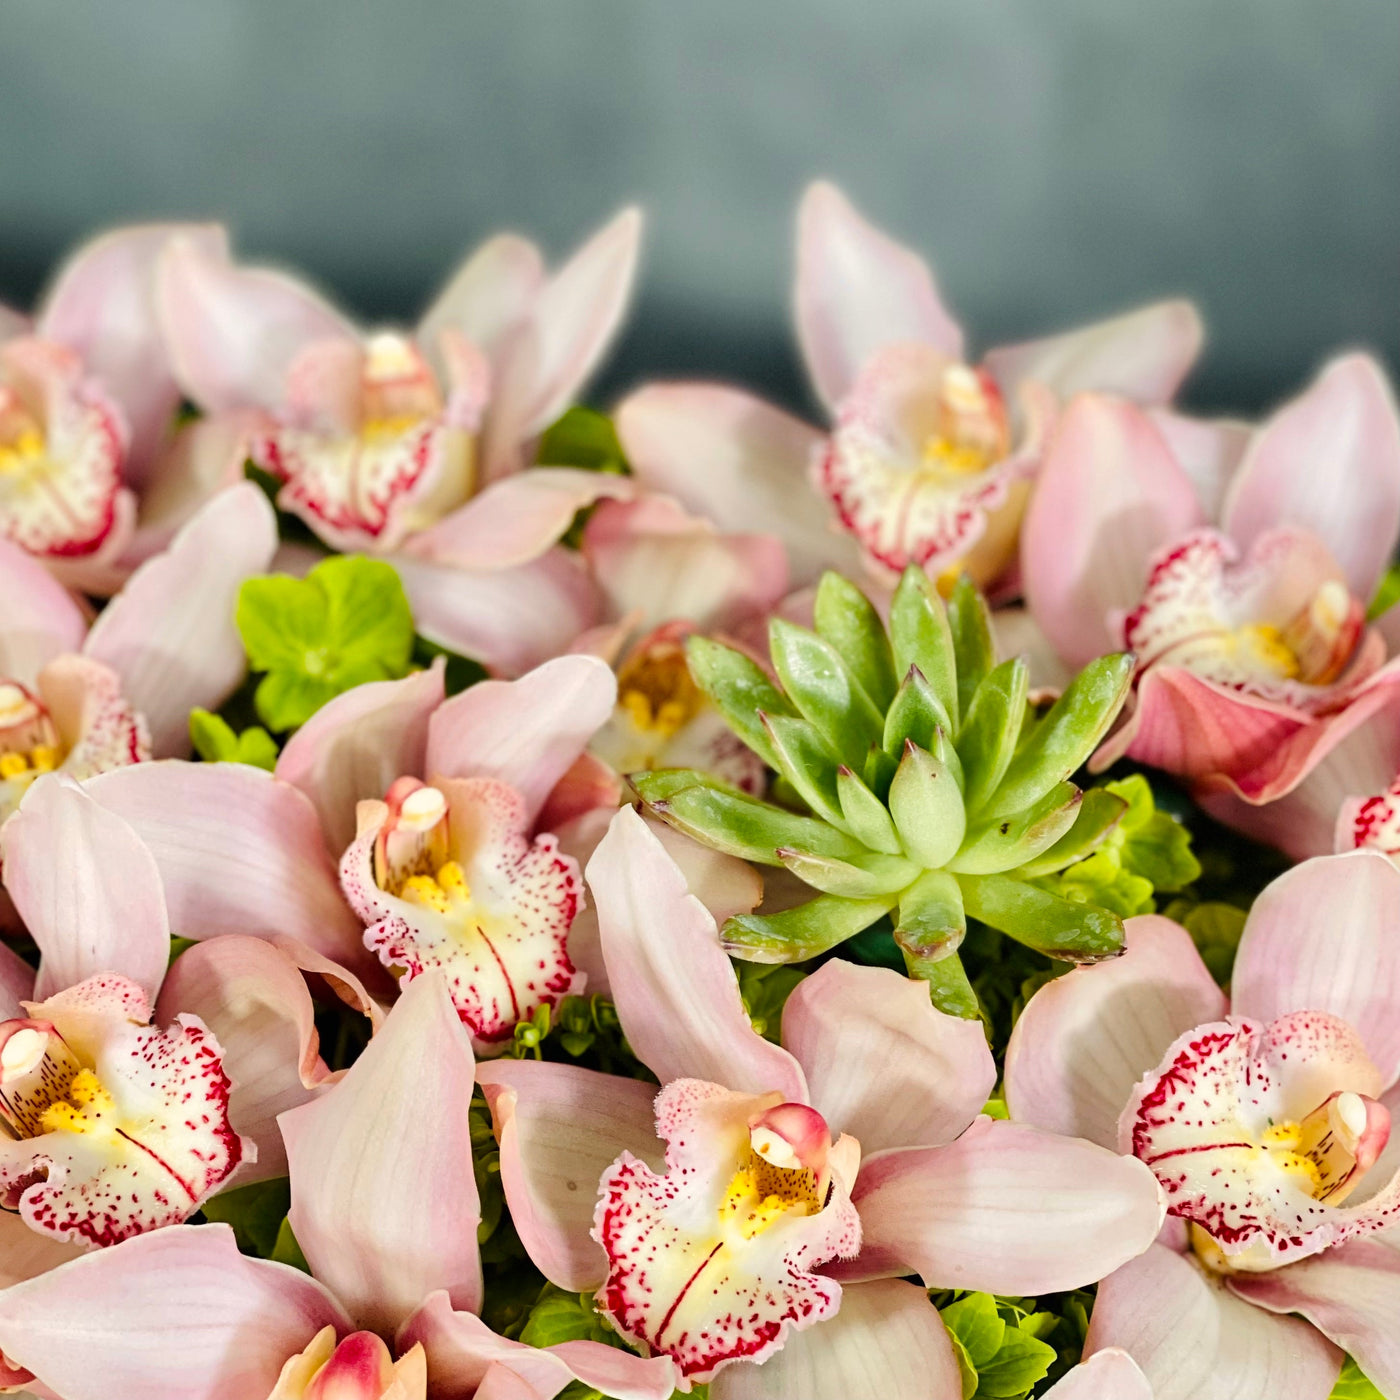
(932, 922)
(880, 768)
(739, 688)
(944, 751)
(994, 845)
(1067, 735)
(804, 932)
(991, 727)
(921, 637)
(847, 619)
(947, 983)
(867, 818)
(807, 761)
(745, 827)
(927, 808)
(1057, 927)
(1098, 814)
(974, 650)
(915, 713)
(657, 784)
(869, 877)
(820, 685)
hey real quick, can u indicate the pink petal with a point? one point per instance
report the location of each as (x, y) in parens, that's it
(170, 632)
(103, 306)
(887, 1340)
(1109, 495)
(253, 997)
(508, 619)
(42, 619)
(1329, 461)
(1143, 355)
(589, 785)
(237, 851)
(559, 1128)
(355, 746)
(176, 1315)
(1085, 1039)
(1017, 633)
(515, 520)
(95, 724)
(384, 1201)
(660, 564)
(677, 995)
(527, 732)
(86, 887)
(1208, 450)
(16, 983)
(1351, 1295)
(1194, 1340)
(881, 1063)
(25, 1253)
(234, 331)
(736, 460)
(1325, 936)
(1004, 1209)
(857, 290)
(1107, 1375)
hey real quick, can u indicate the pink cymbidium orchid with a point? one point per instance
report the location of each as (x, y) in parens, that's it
(82, 699)
(128, 1094)
(1254, 660)
(929, 460)
(417, 444)
(1266, 1120)
(763, 1247)
(94, 475)
(385, 1208)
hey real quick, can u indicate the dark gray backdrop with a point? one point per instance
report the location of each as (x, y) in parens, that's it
(1058, 158)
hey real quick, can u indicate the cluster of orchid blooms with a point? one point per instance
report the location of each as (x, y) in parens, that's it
(768, 1210)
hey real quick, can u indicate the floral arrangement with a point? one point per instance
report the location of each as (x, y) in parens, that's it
(504, 900)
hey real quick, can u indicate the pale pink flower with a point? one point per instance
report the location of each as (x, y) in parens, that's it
(1266, 1120)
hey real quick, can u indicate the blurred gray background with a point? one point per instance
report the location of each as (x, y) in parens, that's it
(1057, 159)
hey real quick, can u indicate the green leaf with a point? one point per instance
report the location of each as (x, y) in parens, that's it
(927, 808)
(1041, 920)
(1156, 846)
(558, 1316)
(345, 623)
(847, 619)
(1003, 843)
(916, 714)
(975, 1322)
(920, 636)
(215, 742)
(255, 1212)
(803, 932)
(867, 818)
(1098, 813)
(1067, 735)
(287, 1250)
(947, 984)
(970, 622)
(1387, 593)
(817, 681)
(582, 437)
(931, 918)
(987, 741)
(1352, 1384)
(765, 988)
(657, 784)
(1020, 1361)
(740, 689)
(1215, 928)
(808, 762)
(869, 877)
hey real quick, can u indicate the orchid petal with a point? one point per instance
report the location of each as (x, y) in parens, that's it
(857, 290)
(1194, 1340)
(356, 745)
(1004, 1209)
(25, 1253)
(1291, 957)
(16, 984)
(1110, 1374)
(881, 1062)
(170, 632)
(175, 1315)
(887, 1340)
(559, 1128)
(42, 619)
(677, 995)
(1208, 450)
(86, 887)
(1085, 1039)
(384, 1200)
(1329, 462)
(1109, 495)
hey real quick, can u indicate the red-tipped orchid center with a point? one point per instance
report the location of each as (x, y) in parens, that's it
(359, 1368)
(29, 742)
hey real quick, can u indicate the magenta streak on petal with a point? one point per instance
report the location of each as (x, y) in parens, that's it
(505, 976)
(1199, 1147)
(161, 1162)
(680, 1297)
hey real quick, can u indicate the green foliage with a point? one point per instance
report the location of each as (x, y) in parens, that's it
(999, 1346)
(1215, 928)
(581, 1029)
(1353, 1385)
(214, 741)
(909, 755)
(582, 437)
(765, 988)
(347, 622)
(1387, 594)
(256, 1214)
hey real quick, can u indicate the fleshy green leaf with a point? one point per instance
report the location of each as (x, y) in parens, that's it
(1041, 920)
(867, 818)
(920, 636)
(947, 984)
(1098, 813)
(931, 919)
(987, 741)
(867, 878)
(808, 762)
(847, 619)
(816, 680)
(803, 932)
(970, 622)
(215, 742)
(927, 808)
(916, 714)
(740, 690)
(1003, 843)
(347, 622)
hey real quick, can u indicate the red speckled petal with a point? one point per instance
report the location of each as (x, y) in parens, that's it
(98, 726)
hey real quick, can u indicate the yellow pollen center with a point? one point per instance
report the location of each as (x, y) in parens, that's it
(1267, 647)
(760, 1194)
(27, 449)
(382, 430)
(657, 692)
(440, 891)
(88, 1108)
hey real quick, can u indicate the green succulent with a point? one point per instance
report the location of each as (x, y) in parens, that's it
(932, 790)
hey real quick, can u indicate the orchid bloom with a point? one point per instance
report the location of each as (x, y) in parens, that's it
(128, 1094)
(94, 476)
(852, 1152)
(1254, 661)
(417, 444)
(385, 1208)
(1265, 1119)
(81, 700)
(929, 459)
